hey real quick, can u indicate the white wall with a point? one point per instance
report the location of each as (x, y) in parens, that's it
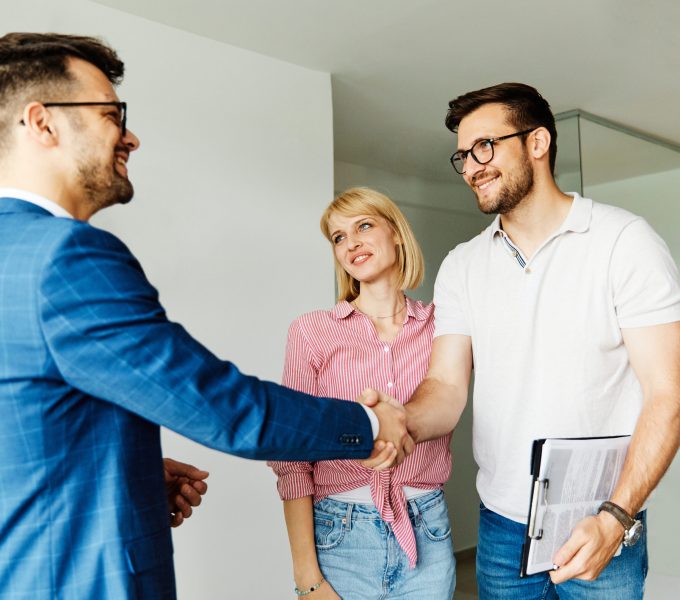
(441, 214)
(655, 197)
(234, 169)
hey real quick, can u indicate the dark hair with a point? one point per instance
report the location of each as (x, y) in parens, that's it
(33, 63)
(526, 108)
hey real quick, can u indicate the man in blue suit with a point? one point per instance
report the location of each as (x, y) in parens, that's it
(90, 366)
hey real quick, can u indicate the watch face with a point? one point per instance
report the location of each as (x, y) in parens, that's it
(633, 534)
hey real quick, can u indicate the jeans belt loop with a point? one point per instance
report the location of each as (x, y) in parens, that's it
(347, 520)
(414, 508)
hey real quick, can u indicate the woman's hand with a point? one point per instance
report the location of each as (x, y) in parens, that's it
(383, 456)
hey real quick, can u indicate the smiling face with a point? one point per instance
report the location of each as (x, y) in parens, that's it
(95, 143)
(503, 183)
(365, 246)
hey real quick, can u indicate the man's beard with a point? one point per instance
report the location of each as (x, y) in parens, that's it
(100, 190)
(513, 192)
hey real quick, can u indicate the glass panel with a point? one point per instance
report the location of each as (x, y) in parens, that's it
(635, 174)
(568, 166)
(644, 177)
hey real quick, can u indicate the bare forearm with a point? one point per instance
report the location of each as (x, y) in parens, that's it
(653, 446)
(299, 514)
(434, 409)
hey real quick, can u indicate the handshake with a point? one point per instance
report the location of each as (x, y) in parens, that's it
(394, 442)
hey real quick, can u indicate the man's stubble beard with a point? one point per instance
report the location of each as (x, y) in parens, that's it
(513, 192)
(100, 190)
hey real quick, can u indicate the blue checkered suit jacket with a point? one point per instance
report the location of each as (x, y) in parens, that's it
(89, 368)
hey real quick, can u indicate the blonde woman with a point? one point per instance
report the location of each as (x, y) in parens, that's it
(356, 532)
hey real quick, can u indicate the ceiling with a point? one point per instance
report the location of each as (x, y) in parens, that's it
(395, 64)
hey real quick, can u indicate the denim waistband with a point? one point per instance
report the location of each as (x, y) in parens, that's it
(370, 512)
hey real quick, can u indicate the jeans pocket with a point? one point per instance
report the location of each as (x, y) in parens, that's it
(435, 522)
(329, 531)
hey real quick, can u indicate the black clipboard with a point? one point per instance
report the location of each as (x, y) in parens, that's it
(540, 488)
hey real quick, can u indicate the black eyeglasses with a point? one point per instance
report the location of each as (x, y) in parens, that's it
(481, 151)
(121, 106)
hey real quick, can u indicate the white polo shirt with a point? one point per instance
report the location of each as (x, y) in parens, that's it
(549, 359)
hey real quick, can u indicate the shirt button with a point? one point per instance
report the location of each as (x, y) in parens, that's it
(527, 270)
(389, 384)
(514, 253)
(387, 348)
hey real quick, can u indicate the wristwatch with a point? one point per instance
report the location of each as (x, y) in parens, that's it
(632, 527)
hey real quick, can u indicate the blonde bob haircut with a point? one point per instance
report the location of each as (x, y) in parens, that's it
(365, 201)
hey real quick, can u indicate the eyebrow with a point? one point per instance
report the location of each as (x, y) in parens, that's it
(479, 139)
(354, 223)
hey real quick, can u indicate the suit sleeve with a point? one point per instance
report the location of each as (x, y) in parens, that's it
(110, 338)
(300, 372)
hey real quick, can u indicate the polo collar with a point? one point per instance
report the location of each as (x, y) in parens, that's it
(580, 214)
(578, 218)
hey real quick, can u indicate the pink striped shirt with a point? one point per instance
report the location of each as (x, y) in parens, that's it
(337, 353)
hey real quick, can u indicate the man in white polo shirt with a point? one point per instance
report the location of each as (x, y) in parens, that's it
(570, 311)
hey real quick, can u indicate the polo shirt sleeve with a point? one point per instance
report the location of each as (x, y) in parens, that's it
(449, 311)
(644, 278)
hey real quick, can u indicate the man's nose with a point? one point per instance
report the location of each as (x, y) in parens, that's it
(131, 141)
(471, 167)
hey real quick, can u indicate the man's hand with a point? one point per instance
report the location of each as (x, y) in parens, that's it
(392, 418)
(382, 457)
(184, 486)
(588, 551)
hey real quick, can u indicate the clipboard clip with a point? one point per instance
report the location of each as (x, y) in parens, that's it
(539, 497)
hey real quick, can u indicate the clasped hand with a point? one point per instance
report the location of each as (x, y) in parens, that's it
(184, 486)
(394, 442)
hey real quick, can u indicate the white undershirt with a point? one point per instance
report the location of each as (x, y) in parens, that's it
(362, 495)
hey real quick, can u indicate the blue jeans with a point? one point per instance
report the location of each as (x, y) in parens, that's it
(360, 557)
(499, 552)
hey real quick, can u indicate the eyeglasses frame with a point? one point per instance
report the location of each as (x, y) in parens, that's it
(491, 141)
(121, 106)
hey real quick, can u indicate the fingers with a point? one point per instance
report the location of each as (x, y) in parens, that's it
(587, 552)
(392, 418)
(179, 469)
(383, 456)
(409, 445)
(389, 399)
(192, 491)
(564, 558)
(369, 397)
(183, 507)
(568, 550)
(176, 519)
